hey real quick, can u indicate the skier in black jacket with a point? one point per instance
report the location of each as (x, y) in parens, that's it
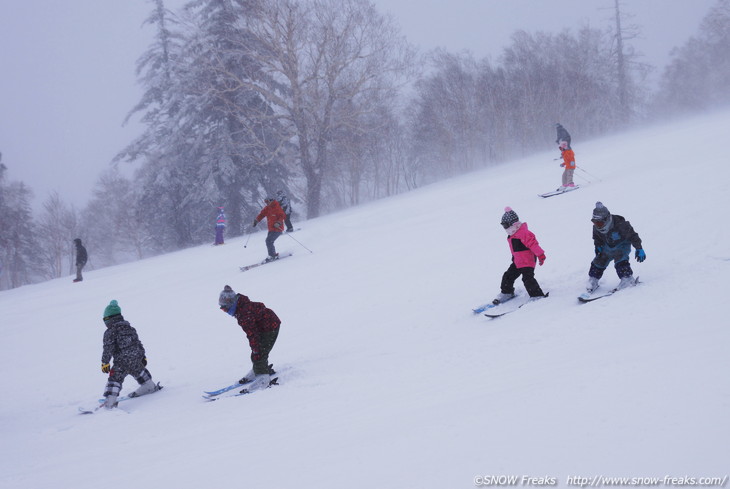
(81, 259)
(286, 207)
(563, 135)
(613, 237)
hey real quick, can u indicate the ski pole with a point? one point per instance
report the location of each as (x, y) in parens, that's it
(584, 178)
(300, 244)
(248, 236)
(581, 169)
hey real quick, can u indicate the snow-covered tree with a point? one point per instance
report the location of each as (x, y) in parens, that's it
(697, 76)
(18, 251)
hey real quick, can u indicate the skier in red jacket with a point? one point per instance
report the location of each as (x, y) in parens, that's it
(275, 218)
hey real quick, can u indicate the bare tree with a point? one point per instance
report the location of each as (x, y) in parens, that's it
(320, 58)
(630, 71)
(56, 232)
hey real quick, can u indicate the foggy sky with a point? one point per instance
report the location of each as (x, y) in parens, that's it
(68, 67)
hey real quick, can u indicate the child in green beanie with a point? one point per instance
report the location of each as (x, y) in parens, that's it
(122, 344)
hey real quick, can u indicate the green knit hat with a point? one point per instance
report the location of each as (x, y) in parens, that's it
(112, 309)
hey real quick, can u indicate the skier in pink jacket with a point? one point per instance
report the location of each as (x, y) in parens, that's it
(526, 252)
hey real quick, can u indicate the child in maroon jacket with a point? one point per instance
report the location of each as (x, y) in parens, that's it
(261, 326)
(526, 252)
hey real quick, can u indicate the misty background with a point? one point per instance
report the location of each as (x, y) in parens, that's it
(356, 101)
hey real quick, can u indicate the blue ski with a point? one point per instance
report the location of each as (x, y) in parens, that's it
(274, 381)
(500, 314)
(483, 307)
(221, 391)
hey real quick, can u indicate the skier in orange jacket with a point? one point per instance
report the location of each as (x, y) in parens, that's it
(275, 218)
(568, 164)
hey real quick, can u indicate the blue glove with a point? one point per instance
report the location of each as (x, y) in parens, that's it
(640, 255)
(598, 250)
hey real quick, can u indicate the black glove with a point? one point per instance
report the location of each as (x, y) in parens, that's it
(144, 361)
(255, 222)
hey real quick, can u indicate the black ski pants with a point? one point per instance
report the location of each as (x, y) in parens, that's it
(528, 278)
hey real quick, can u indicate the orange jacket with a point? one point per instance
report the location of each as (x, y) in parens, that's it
(568, 159)
(274, 215)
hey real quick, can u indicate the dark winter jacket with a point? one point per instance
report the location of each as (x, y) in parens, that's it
(620, 233)
(254, 317)
(563, 134)
(284, 202)
(122, 343)
(81, 255)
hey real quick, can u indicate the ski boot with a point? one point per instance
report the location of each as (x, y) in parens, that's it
(251, 375)
(502, 297)
(147, 388)
(625, 282)
(592, 284)
(110, 402)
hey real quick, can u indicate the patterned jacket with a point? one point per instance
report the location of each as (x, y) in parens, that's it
(254, 317)
(122, 343)
(221, 220)
(524, 247)
(620, 233)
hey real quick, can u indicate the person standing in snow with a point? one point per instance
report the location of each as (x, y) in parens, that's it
(122, 344)
(568, 164)
(261, 326)
(563, 135)
(220, 226)
(613, 237)
(285, 204)
(275, 218)
(526, 251)
(81, 258)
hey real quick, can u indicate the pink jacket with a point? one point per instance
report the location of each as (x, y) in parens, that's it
(524, 246)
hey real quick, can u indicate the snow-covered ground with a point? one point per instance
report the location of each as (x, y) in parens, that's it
(387, 378)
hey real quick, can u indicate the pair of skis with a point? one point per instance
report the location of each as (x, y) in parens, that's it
(593, 296)
(558, 192)
(217, 394)
(493, 311)
(213, 395)
(265, 262)
(120, 399)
